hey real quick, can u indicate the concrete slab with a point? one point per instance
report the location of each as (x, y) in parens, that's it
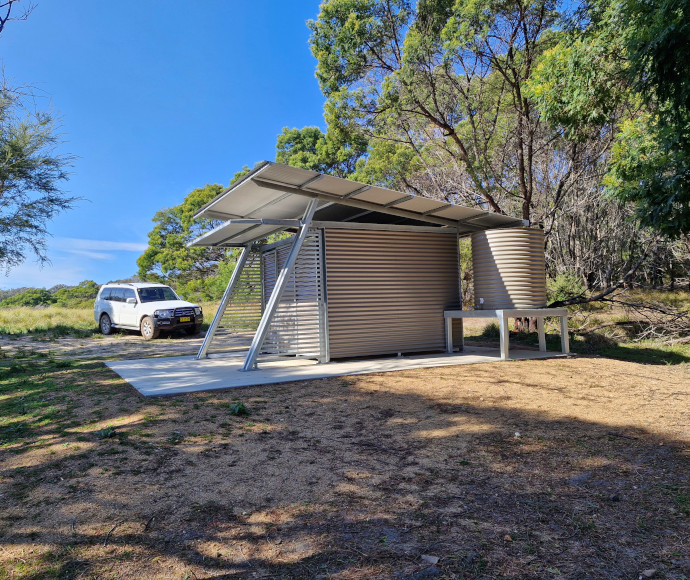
(184, 374)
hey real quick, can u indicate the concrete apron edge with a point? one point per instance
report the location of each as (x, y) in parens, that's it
(184, 374)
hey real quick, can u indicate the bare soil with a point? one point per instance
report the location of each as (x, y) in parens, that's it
(562, 468)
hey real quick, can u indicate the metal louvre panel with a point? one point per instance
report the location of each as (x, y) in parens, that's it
(297, 324)
(243, 312)
(387, 290)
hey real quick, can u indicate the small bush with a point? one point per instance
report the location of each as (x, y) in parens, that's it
(563, 287)
(106, 433)
(176, 438)
(30, 297)
(238, 408)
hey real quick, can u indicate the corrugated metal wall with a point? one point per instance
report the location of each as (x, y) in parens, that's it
(509, 268)
(297, 326)
(387, 290)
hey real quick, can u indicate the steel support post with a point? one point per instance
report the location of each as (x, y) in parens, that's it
(241, 261)
(504, 333)
(281, 283)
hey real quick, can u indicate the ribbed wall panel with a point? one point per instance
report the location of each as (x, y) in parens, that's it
(509, 268)
(298, 321)
(387, 290)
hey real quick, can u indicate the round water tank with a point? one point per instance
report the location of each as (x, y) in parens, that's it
(509, 269)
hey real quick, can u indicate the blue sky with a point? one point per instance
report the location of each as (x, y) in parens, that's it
(156, 97)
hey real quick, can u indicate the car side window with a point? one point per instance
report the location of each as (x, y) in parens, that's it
(105, 295)
(129, 293)
(117, 295)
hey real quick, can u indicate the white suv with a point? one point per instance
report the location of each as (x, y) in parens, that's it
(148, 308)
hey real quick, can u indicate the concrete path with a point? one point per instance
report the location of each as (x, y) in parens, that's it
(184, 374)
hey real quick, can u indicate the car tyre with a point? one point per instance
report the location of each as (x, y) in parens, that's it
(148, 330)
(105, 325)
(193, 330)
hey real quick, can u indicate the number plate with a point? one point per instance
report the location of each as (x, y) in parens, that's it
(185, 318)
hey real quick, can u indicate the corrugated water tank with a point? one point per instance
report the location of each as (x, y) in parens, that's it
(509, 269)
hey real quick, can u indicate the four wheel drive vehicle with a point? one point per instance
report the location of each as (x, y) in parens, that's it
(148, 308)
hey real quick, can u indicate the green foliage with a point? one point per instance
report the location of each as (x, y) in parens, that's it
(30, 179)
(106, 433)
(30, 297)
(436, 87)
(210, 287)
(657, 41)
(651, 169)
(176, 438)
(238, 409)
(577, 85)
(310, 148)
(78, 296)
(563, 287)
(624, 68)
(168, 259)
(387, 164)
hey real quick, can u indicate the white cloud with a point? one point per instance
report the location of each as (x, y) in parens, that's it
(94, 255)
(31, 274)
(73, 260)
(70, 244)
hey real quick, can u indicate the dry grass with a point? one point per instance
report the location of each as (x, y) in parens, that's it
(53, 320)
(57, 321)
(557, 468)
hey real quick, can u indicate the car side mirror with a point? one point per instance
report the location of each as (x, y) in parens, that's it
(180, 297)
(131, 300)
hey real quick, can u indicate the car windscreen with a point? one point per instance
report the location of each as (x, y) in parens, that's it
(156, 294)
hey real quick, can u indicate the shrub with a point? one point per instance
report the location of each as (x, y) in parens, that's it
(30, 297)
(564, 286)
(77, 296)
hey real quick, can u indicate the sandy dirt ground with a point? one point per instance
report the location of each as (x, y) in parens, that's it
(564, 468)
(121, 345)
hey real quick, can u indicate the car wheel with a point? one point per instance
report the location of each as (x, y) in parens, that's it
(193, 330)
(148, 330)
(105, 325)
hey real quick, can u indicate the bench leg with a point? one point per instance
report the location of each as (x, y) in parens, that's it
(542, 335)
(449, 335)
(505, 336)
(565, 340)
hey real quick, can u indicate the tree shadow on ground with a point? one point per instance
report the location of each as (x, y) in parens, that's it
(337, 478)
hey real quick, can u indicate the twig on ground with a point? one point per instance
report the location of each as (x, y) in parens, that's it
(107, 536)
(148, 523)
(614, 434)
(245, 557)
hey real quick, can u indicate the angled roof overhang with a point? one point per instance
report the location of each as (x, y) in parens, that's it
(273, 197)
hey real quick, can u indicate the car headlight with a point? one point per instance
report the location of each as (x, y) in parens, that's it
(164, 313)
(197, 311)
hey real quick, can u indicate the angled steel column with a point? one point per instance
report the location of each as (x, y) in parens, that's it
(241, 261)
(281, 283)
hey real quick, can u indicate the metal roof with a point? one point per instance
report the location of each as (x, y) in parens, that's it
(273, 197)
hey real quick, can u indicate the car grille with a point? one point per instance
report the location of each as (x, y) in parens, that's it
(184, 311)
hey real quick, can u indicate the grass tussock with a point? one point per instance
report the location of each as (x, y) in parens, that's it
(53, 321)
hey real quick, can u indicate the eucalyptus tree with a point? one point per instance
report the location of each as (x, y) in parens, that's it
(447, 82)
